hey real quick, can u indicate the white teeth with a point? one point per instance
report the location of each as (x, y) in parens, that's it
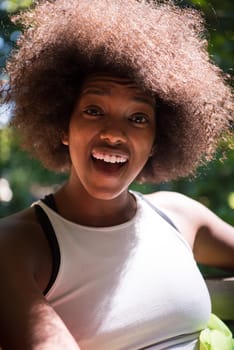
(109, 158)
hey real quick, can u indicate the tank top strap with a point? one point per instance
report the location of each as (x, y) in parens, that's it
(157, 210)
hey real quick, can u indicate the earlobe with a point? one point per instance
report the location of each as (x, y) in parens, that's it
(64, 139)
(152, 151)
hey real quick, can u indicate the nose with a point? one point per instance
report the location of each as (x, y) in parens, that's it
(113, 135)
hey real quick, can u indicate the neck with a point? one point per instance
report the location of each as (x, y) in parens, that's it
(79, 207)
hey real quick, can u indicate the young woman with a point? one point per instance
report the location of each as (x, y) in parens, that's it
(113, 92)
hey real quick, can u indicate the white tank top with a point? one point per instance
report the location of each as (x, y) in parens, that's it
(132, 286)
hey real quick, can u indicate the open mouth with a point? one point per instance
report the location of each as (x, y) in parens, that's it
(109, 162)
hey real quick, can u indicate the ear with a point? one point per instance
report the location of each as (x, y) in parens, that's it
(64, 139)
(152, 151)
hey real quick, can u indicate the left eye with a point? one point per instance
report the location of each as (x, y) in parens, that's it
(139, 119)
(93, 111)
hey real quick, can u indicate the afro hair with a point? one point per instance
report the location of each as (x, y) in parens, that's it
(157, 44)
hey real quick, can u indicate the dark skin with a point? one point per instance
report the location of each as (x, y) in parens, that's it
(82, 199)
(110, 138)
(24, 280)
(112, 118)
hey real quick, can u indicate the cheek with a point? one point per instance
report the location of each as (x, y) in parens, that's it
(149, 139)
(79, 141)
(77, 132)
(149, 148)
(144, 149)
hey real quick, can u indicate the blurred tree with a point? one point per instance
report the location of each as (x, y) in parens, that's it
(22, 179)
(219, 16)
(9, 33)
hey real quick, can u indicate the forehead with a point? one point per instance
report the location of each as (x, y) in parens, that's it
(108, 78)
(104, 84)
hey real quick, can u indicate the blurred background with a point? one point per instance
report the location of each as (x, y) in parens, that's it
(22, 179)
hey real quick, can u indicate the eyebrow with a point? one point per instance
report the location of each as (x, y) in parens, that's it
(145, 100)
(95, 91)
(106, 92)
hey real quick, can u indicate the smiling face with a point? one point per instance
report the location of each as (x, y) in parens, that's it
(111, 135)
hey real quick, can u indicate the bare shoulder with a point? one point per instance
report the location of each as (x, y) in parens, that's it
(178, 208)
(184, 207)
(18, 229)
(170, 199)
(189, 215)
(23, 243)
(24, 217)
(15, 229)
(27, 321)
(176, 203)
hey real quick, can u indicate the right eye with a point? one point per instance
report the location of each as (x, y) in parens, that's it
(93, 111)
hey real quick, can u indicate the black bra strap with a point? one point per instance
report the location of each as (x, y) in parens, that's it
(53, 243)
(50, 202)
(52, 239)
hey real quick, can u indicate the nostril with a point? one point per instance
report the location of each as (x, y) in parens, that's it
(113, 136)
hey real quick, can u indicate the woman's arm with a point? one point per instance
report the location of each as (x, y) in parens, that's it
(214, 239)
(211, 239)
(27, 321)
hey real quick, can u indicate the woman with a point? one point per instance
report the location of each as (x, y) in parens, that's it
(112, 98)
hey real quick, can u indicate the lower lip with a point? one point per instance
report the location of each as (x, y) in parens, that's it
(109, 169)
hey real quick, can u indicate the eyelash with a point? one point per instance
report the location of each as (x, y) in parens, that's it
(135, 119)
(96, 112)
(93, 111)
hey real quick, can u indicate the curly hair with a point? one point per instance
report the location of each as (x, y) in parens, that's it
(157, 44)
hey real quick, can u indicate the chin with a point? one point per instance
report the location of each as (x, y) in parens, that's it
(106, 194)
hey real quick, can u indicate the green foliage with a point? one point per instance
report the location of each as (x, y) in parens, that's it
(8, 31)
(11, 6)
(213, 185)
(219, 16)
(28, 180)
